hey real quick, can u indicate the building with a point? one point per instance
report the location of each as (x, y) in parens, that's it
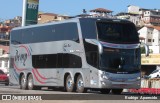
(4, 58)
(140, 16)
(4, 34)
(150, 16)
(16, 22)
(101, 12)
(50, 17)
(132, 15)
(151, 36)
(135, 18)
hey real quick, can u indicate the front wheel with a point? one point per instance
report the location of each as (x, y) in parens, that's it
(117, 91)
(105, 91)
(80, 85)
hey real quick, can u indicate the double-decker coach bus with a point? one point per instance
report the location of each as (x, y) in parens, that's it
(77, 54)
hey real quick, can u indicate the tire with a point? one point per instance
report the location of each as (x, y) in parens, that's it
(105, 91)
(6, 84)
(69, 85)
(117, 91)
(31, 85)
(23, 82)
(80, 85)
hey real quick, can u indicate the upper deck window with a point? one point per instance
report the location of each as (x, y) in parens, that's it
(117, 32)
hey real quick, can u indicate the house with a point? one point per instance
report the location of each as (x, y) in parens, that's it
(50, 17)
(151, 36)
(101, 12)
(4, 58)
(4, 34)
(135, 18)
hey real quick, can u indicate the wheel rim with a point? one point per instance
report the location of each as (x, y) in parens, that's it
(80, 83)
(69, 83)
(30, 83)
(23, 81)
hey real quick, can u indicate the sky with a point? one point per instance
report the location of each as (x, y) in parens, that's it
(12, 8)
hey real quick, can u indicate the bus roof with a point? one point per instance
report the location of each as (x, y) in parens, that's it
(69, 20)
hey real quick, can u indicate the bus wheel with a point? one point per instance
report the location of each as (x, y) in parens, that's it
(30, 82)
(105, 91)
(69, 86)
(23, 82)
(117, 91)
(80, 85)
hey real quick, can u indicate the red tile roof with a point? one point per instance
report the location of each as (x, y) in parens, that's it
(101, 10)
(154, 27)
(50, 14)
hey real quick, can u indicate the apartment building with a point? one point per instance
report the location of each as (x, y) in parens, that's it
(140, 16)
(150, 17)
(151, 36)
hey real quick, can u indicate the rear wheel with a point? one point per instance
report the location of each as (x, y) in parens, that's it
(117, 91)
(23, 82)
(105, 91)
(69, 85)
(80, 85)
(31, 85)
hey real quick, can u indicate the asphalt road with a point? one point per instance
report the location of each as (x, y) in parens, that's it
(58, 96)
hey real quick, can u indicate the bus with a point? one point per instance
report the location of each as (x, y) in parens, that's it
(76, 54)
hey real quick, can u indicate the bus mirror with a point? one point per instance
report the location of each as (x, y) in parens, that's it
(146, 48)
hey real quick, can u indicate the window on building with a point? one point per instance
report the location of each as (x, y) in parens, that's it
(6, 64)
(153, 40)
(0, 63)
(149, 40)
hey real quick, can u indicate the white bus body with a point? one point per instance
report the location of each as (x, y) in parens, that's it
(77, 54)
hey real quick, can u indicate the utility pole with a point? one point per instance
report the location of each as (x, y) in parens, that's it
(24, 12)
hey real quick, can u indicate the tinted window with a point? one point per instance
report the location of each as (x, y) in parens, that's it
(16, 37)
(65, 31)
(91, 51)
(71, 61)
(117, 32)
(56, 61)
(88, 27)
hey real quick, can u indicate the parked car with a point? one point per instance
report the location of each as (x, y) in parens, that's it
(155, 74)
(4, 78)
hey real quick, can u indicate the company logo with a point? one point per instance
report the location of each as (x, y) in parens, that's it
(20, 57)
(6, 97)
(33, 4)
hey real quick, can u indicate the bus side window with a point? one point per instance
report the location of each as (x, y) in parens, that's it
(92, 58)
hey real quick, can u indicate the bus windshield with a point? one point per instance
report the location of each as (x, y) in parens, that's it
(120, 60)
(117, 32)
